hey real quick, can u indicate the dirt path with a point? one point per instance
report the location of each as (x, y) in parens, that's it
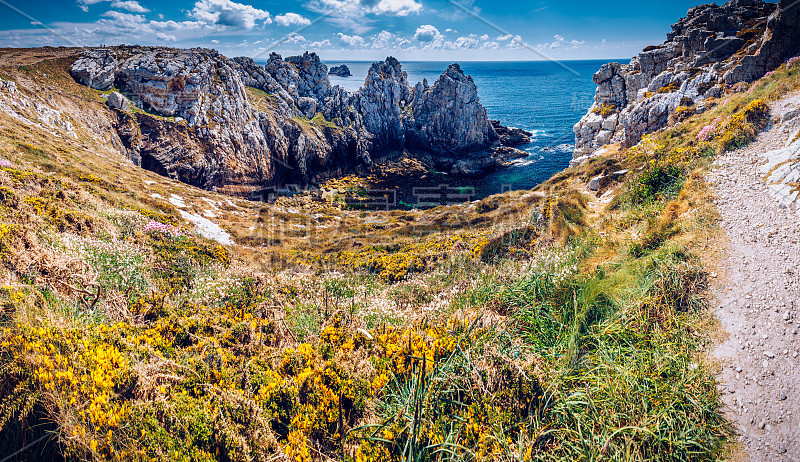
(759, 297)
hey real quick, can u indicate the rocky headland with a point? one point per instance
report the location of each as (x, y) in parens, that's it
(235, 126)
(711, 48)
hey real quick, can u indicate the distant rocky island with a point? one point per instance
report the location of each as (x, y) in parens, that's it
(234, 126)
(711, 48)
(341, 71)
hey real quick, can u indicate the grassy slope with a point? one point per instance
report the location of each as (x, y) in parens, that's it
(541, 325)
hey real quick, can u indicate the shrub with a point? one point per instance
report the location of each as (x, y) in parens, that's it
(606, 109)
(654, 182)
(682, 113)
(672, 87)
(744, 125)
(709, 131)
(178, 259)
(161, 228)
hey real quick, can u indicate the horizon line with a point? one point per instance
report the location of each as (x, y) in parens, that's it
(607, 59)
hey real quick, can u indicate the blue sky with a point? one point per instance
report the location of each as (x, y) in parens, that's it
(352, 29)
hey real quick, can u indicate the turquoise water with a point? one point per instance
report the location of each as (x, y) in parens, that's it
(541, 97)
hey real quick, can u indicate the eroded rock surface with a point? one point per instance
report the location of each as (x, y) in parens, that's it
(235, 126)
(713, 46)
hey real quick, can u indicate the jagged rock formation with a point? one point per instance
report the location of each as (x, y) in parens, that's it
(711, 47)
(450, 106)
(382, 101)
(511, 136)
(201, 124)
(341, 71)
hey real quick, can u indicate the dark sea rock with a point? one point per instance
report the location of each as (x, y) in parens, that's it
(341, 71)
(511, 136)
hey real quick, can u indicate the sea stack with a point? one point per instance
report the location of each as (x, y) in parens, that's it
(205, 124)
(341, 71)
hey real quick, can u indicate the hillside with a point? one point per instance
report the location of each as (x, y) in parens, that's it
(147, 319)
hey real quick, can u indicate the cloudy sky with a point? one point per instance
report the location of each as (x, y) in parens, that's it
(352, 29)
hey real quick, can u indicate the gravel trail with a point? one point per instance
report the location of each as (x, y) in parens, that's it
(758, 297)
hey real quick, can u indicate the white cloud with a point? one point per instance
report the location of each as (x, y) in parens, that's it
(396, 7)
(125, 21)
(215, 41)
(427, 33)
(289, 19)
(166, 37)
(359, 16)
(386, 40)
(517, 42)
(295, 38)
(129, 5)
(351, 40)
(84, 4)
(320, 44)
(562, 43)
(471, 41)
(228, 13)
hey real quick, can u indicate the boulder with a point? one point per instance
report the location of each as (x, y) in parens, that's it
(117, 101)
(509, 136)
(381, 102)
(96, 68)
(8, 86)
(449, 118)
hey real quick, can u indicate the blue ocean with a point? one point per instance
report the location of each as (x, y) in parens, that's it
(542, 97)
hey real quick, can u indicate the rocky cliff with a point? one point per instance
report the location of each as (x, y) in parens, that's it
(713, 46)
(235, 126)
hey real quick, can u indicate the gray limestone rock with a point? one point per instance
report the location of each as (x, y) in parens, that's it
(244, 126)
(117, 101)
(709, 48)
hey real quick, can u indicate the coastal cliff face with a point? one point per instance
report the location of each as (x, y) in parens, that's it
(234, 126)
(713, 46)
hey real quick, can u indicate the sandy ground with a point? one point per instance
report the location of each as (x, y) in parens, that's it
(758, 300)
